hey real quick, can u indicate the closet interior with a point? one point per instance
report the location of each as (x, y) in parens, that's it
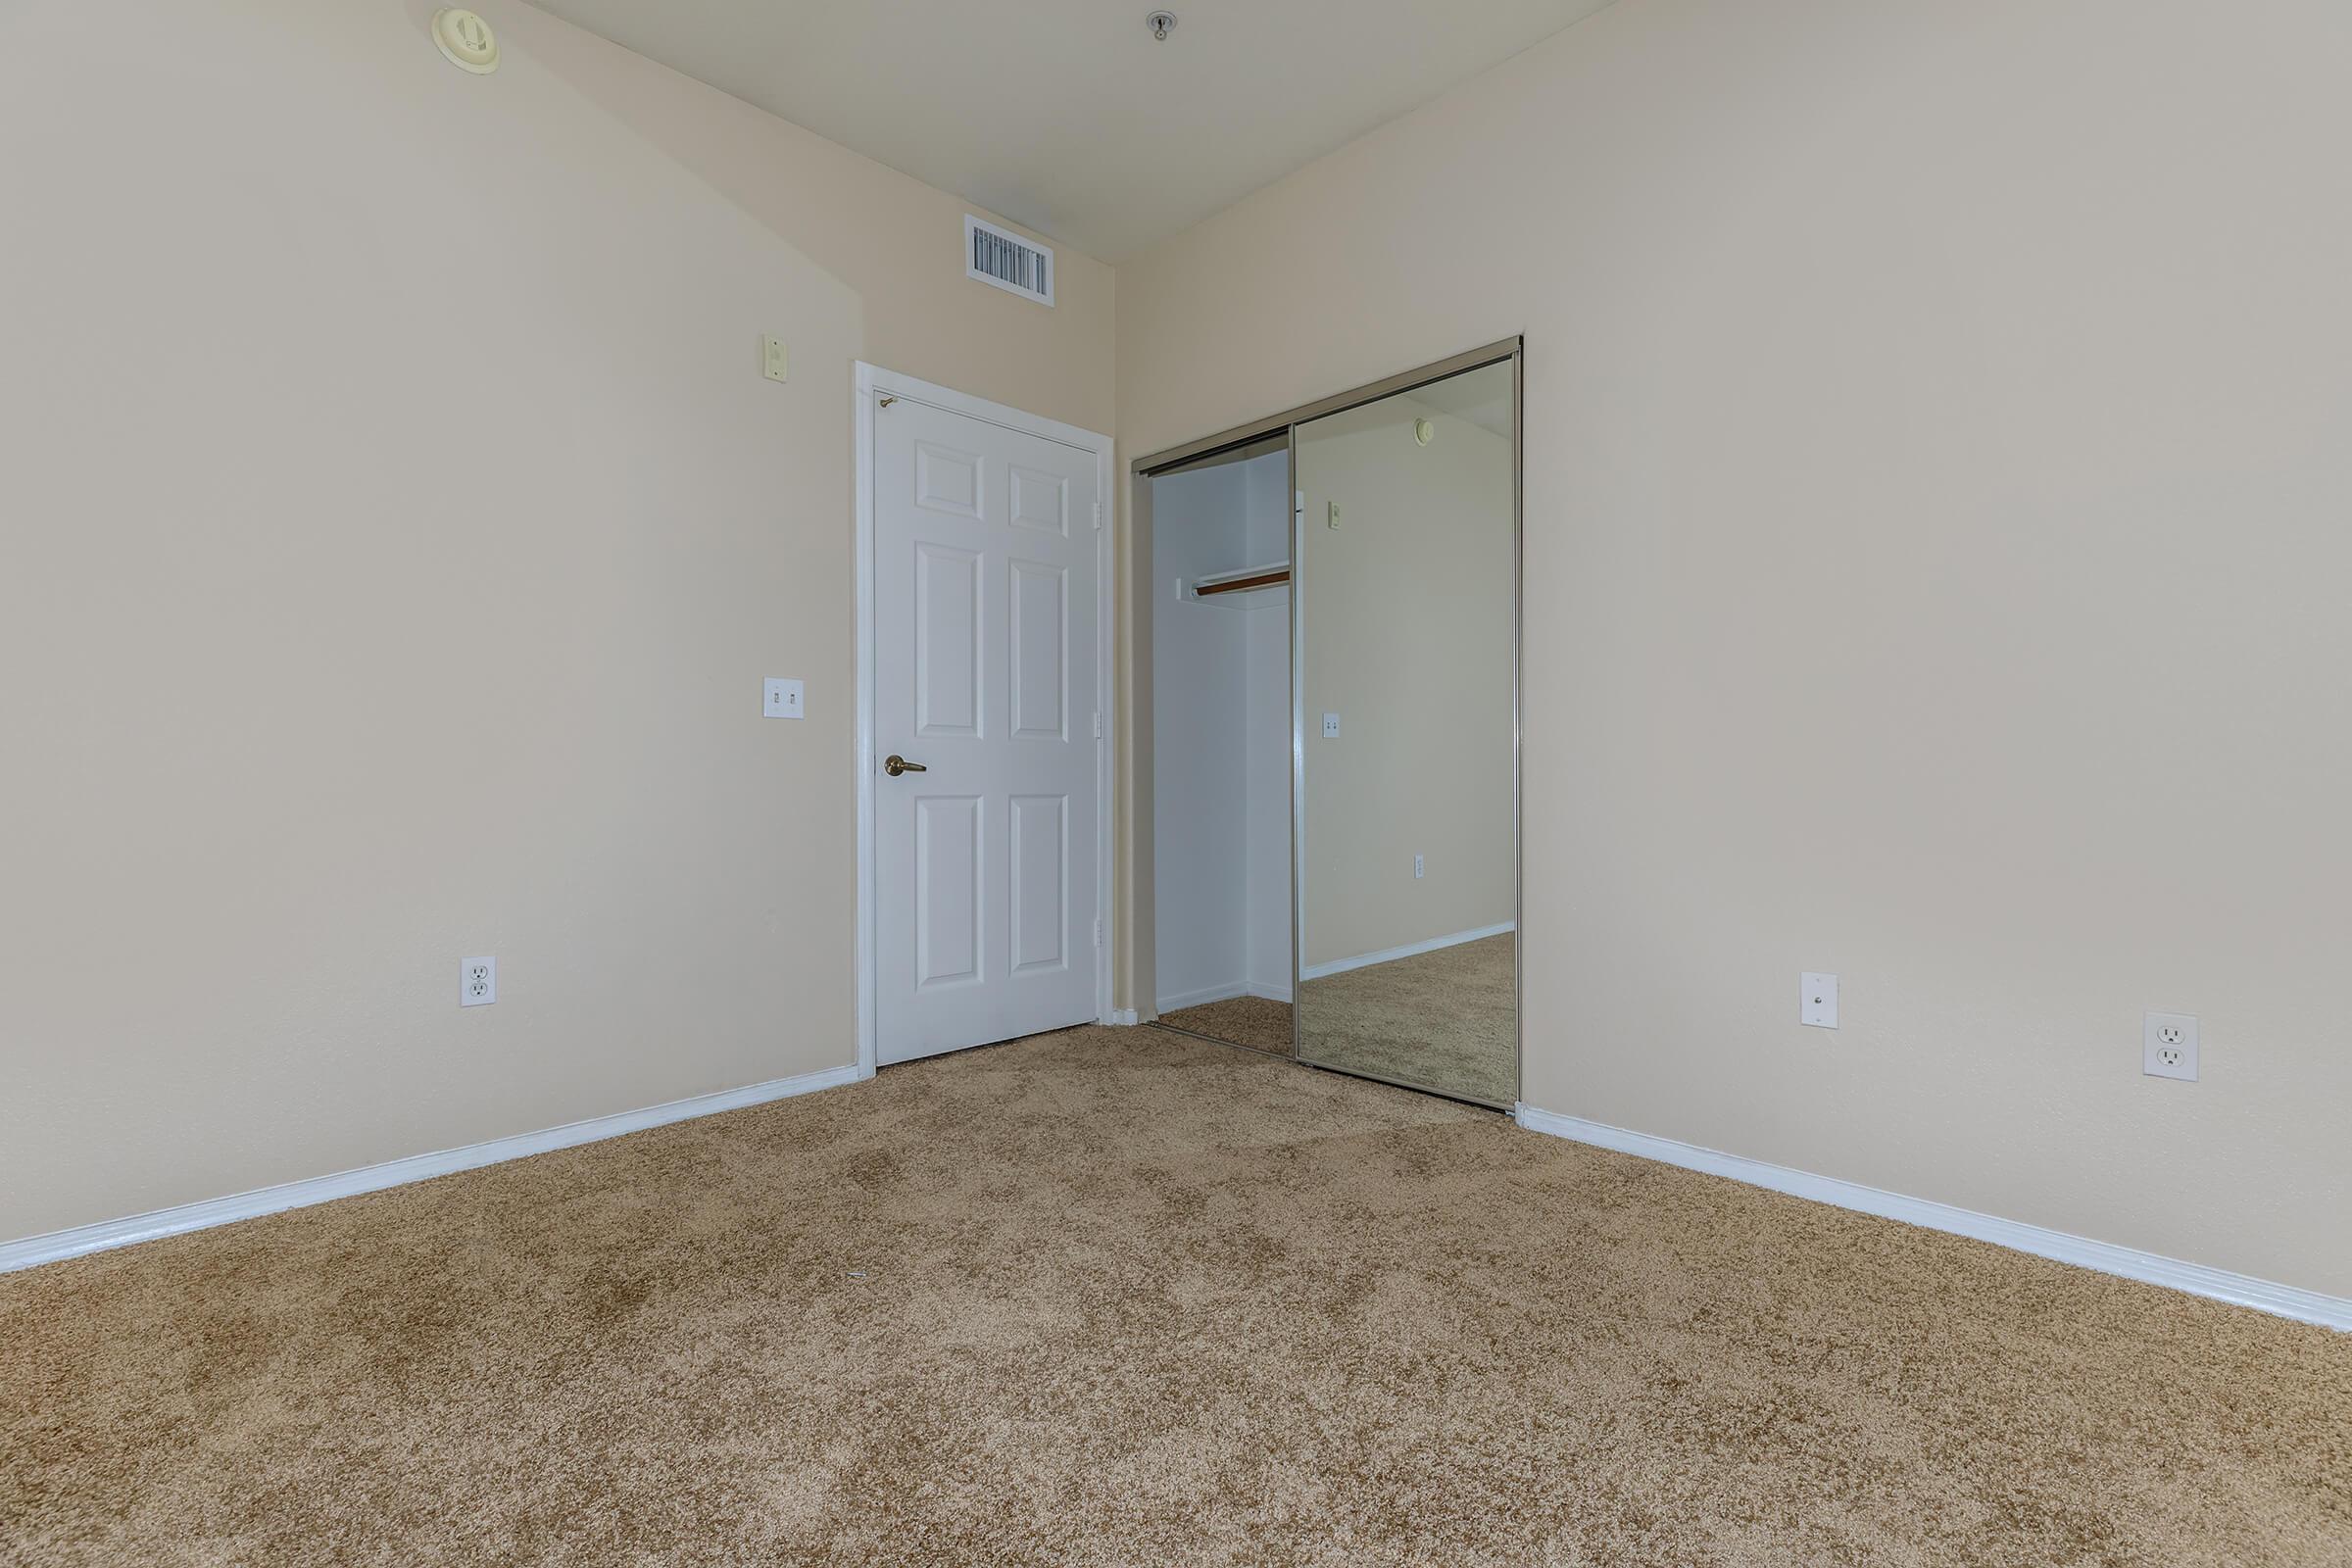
(1221, 745)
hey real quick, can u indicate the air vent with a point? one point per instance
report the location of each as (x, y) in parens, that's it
(1010, 262)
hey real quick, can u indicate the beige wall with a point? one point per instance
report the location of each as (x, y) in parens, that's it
(1936, 547)
(394, 531)
(1406, 623)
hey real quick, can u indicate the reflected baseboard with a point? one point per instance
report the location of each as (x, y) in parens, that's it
(1202, 995)
(1206, 995)
(1366, 961)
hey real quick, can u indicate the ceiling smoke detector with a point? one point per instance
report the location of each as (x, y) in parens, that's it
(466, 40)
(1161, 24)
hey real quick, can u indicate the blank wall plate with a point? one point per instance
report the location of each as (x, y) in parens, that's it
(2168, 1045)
(478, 982)
(1817, 1000)
(782, 699)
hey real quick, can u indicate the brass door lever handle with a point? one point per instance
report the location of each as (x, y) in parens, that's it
(895, 764)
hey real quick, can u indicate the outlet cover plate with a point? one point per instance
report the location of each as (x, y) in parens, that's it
(2168, 1045)
(1817, 1000)
(478, 982)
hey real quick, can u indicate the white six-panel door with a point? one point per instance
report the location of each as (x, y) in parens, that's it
(986, 604)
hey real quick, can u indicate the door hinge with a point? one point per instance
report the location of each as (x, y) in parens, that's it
(1097, 727)
(1097, 931)
(1098, 513)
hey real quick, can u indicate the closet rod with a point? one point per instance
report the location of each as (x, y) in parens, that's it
(1264, 579)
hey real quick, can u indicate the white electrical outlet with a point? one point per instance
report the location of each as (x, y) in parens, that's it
(1416, 868)
(1817, 1000)
(2168, 1045)
(478, 982)
(783, 699)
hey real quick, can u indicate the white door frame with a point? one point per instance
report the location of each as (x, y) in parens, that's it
(871, 380)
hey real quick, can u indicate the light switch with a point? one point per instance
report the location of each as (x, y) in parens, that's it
(1331, 518)
(783, 699)
(771, 365)
(1331, 726)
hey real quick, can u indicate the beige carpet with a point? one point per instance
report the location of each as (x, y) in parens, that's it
(1250, 1021)
(1448, 1020)
(1125, 1298)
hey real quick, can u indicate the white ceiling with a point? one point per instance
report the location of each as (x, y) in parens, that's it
(1065, 115)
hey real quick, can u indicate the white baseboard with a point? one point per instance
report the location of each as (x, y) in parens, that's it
(2285, 1301)
(1366, 961)
(1225, 992)
(1204, 996)
(211, 1212)
(1121, 1018)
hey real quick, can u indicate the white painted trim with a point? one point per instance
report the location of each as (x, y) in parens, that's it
(1224, 993)
(867, 382)
(1204, 996)
(2263, 1296)
(862, 758)
(1366, 961)
(1106, 694)
(1122, 1019)
(106, 1234)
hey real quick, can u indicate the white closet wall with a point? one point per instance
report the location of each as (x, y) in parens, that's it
(1220, 717)
(1199, 670)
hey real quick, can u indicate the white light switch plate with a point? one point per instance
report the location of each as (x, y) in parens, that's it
(478, 982)
(783, 699)
(771, 358)
(1817, 1000)
(1331, 726)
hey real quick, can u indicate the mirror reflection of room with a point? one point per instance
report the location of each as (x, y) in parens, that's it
(1221, 747)
(1407, 577)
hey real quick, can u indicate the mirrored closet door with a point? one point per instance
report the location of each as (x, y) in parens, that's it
(1405, 738)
